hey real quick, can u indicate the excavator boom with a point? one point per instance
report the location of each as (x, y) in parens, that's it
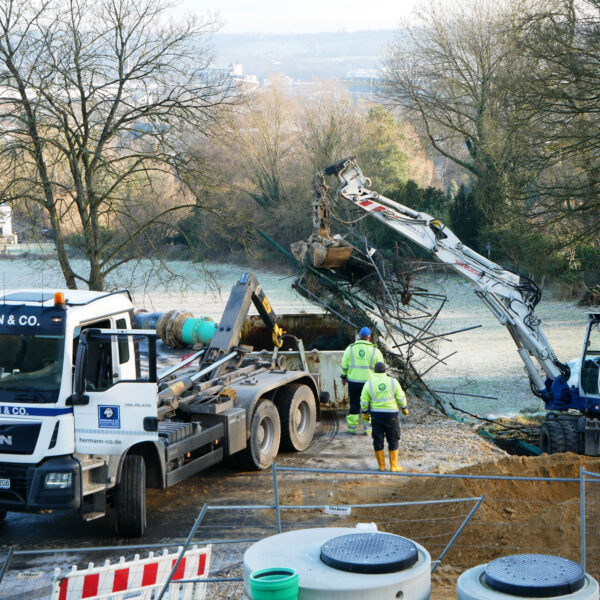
(510, 297)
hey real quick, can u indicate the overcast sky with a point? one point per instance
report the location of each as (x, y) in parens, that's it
(306, 16)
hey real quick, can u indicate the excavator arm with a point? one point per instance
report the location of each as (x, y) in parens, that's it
(510, 297)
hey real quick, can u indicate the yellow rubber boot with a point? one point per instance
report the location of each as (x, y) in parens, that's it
(380, 455)
(394, 468)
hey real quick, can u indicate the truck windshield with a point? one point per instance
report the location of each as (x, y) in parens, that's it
(30, 367)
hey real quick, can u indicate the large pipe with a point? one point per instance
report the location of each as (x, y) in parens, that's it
(178, 329)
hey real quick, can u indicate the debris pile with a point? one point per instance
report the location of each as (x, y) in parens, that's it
(361, 285)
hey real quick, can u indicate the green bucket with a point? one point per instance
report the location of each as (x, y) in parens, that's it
(275, 583)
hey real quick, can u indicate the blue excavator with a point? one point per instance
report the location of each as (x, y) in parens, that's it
(570, 391)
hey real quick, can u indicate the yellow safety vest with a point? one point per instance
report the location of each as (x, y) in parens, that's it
(359, 359)
(382, 393)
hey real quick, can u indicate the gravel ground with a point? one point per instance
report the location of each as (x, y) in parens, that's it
(226, 591)
(434, 443)
(430, 442)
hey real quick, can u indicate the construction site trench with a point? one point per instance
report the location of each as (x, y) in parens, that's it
(515, 517)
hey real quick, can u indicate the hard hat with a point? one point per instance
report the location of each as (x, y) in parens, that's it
(364, 332)
(379, 367)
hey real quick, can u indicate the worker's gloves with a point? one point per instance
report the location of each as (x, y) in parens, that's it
(366, 417)
(405, 412)
(344, 381)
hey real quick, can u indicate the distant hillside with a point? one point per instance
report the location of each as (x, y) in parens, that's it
(303, 56)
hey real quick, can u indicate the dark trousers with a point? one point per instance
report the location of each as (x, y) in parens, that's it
(354, 392)
(385, 425)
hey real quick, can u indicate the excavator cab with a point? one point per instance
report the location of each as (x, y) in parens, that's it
(590, 361)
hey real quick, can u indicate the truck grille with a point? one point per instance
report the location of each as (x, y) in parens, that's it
(20, 481)
(19, 438)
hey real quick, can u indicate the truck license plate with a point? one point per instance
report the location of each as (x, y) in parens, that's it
(4, 484)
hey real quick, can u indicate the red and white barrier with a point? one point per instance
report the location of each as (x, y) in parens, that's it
(144, 576)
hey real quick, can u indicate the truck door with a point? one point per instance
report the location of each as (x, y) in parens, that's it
(112, 412)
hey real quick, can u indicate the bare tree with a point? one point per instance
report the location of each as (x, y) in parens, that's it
(559, 100)
(447, 73)
(329, 126)
(98, 99)
(266, 136)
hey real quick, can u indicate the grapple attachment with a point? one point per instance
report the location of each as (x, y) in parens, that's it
(322, 250)
(323, 253)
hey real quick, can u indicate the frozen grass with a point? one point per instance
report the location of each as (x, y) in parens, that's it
(486, 362)
(201, 289)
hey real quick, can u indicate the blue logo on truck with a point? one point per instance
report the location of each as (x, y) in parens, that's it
(109, 417)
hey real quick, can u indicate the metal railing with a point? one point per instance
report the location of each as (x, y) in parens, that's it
(589, 517)
(438, 523)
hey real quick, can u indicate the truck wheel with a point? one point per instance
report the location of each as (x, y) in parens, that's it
(265, 435)
(2, 516)
(298, 413)
(130, 498)
(571, 437)
(552, 439)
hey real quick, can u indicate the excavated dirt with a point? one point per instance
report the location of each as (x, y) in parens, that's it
(515, 516)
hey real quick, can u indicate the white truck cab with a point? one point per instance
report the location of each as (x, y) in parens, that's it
(41, 449)
(86, 423)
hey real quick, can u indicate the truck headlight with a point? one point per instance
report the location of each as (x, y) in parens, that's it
(58, 481)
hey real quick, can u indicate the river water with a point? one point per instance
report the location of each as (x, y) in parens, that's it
(486, 362)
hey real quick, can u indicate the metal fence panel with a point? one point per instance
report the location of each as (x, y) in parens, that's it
(590, 522)
(518, 514)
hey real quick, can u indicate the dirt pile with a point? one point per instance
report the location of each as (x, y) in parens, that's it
(443, 582)
(516, 516)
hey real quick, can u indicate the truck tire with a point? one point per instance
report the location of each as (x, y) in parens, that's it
(571, 436)
(265, 436)
(130, 498)
(2, 516)
(298, 414)
(552, 439)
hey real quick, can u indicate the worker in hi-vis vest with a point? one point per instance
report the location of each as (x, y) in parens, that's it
(357, 367)
(383, 397)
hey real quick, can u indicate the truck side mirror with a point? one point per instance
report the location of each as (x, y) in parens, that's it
(78, 397)
(81, 361)
(77, 400)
